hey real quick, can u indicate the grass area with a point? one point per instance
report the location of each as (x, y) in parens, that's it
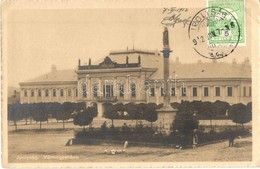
(49, 146)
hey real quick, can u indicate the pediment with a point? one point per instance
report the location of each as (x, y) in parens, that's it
(107, 63)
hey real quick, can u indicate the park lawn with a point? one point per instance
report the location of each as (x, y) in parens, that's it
(49, 146)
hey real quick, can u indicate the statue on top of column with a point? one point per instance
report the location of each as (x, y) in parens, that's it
(165, 38)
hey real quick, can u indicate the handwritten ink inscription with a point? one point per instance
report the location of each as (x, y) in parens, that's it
(175, 16)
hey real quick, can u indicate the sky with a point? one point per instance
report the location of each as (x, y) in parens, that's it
(37, 39)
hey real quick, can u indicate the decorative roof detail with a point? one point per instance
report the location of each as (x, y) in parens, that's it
(108, 64)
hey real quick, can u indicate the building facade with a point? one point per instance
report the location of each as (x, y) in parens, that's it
(137, 76)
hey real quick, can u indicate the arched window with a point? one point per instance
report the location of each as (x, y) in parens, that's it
(133, 90)
(39, 93)
(61, 93)
(25, 93)
(46, 92)
(32, 93)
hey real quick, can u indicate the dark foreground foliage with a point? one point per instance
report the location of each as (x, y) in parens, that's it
(148, 135)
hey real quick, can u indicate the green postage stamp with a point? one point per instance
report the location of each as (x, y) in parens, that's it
(234, 9)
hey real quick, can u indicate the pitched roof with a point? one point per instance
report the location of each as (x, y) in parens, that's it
(56, 76)
(155, 60)
(210, 70)
(184, 70)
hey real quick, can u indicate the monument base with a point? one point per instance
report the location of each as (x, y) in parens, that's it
(166, 115)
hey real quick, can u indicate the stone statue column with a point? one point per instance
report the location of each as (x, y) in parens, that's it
(166, 114)
(166, 54)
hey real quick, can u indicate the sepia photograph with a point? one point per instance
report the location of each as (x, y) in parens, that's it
(101, 83)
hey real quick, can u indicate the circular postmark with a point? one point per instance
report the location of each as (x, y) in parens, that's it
(214, 32)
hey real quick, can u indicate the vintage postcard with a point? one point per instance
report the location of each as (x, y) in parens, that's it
(130, 83)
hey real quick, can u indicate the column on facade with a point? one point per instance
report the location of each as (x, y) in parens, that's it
(65, 91)
(50, 94)
(223, 92)
(189, 92)
(115, 87)
(238, 93)
(35, 95)
(138, 89)
(211, 90)
(73, 94)
(42, 98)
(88, 87)
(100, 91)
(157, 94)
(177, 93)
(200, 92)
(237, 96)
(126, 89)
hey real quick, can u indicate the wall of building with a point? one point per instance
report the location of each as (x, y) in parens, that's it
(69, 93)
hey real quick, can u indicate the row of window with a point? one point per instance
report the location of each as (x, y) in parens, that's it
(205, 91)
(108, 91)
(47, 94)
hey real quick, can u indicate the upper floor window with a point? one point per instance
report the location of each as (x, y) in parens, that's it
(61, 93)
(244, 91)
(39, 93)
(152, 91)
(84, 90)
(183, 91)
(32, 93)
(173, 91)
(133, 90)
(46, 92)
(194, 91)
(229, 91)
(69, 92)
(25, 93)
(121, 90)
(95, 91)
(217, 91)
(162, 91)
(54, 92)
(206, 91)
(76, 91)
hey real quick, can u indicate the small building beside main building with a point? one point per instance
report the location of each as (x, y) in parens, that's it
(137, 76)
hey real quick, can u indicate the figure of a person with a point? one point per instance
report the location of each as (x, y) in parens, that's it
(231, 138)
(194, 139)
(165, 38)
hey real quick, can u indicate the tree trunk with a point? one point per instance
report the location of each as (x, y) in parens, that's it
(63, 124)
(112, 122)
(243, 126)
(40, 125)
(15, 124)
(211, 123)
(26, 121)
(30, 120)
(151, 124)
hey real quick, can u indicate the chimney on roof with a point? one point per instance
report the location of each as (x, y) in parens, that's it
(246, 63)
(89, 61)
(53, 68)
(127, 60)
(139, 59)
(79, 62)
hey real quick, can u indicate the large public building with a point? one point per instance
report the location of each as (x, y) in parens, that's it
(137, 76)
